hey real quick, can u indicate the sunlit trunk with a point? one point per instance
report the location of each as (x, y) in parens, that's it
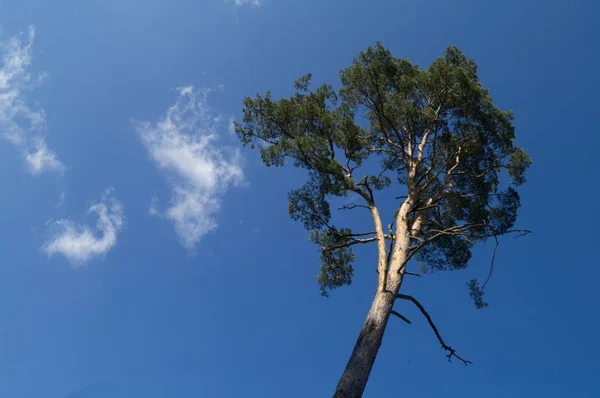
(355, 376)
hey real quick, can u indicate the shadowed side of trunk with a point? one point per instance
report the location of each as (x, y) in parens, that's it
(358, 369)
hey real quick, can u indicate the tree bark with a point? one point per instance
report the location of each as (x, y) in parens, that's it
(358, 369)
(354, 379)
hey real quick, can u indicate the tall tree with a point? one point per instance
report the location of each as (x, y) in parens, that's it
(436, 132)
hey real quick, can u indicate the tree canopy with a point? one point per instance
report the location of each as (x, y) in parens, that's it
(436, 131)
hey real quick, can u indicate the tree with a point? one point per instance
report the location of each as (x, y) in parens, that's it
(437, 135)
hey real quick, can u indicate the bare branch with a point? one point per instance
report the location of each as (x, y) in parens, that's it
(352, 206)
(452, 351)
(424, 208)
(421, 147)
(369, 190)
(491, 264)
(412, 273)
(386, 150)
(389, 256)
(520, 233)
(462, 230)
(382, 113)
(352, 243)
(448, 176)
(433, 158)
(360, 234)
(401, 317)
(359, 191)
(442, 168)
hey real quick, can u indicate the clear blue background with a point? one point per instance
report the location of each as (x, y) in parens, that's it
(243, 317)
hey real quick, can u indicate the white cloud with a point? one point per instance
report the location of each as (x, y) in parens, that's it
(42, 159)
(20, 124)
(185, 144)
(80, 243)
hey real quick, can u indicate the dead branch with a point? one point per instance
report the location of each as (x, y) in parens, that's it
(463, 230)
(491, 264)
(452, 351)
(401, 317)
(353, 242)
(423, 208)
(353, 206)
(359, 234)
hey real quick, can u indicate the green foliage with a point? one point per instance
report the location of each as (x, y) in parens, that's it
(476, 293)
(470, 142)
(518, 163)
(309, 204)
(336, 269)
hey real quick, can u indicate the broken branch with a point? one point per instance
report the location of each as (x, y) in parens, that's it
(401, 317)
(452, 351)
(352, 206)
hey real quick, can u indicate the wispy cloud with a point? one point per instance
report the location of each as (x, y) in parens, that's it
(185, 144)
(238, 3)
(61, 199)
(20, 124)
(80, 243)
(153, 208)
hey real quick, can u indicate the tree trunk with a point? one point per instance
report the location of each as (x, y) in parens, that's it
(355, 377)
(356, 374)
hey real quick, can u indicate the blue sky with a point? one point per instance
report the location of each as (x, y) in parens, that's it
(145, 254)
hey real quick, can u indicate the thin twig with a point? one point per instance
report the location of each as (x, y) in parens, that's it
(452, 351)
(521, 233)
(491, 264)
